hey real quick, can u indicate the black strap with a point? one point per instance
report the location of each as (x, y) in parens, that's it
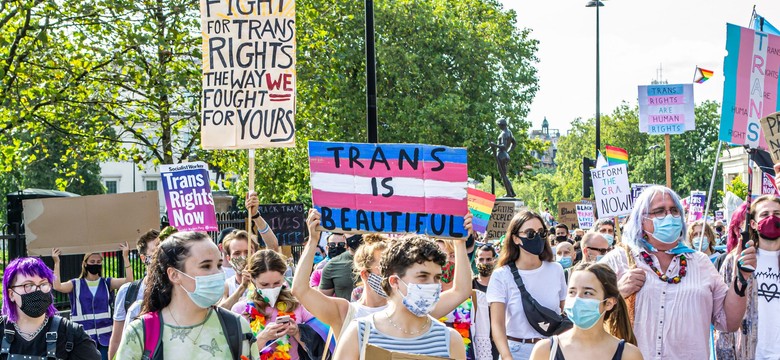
(132, 294)
(231, 327)
(518, 278)
(51, 338)
(619, 352)
(8, 338)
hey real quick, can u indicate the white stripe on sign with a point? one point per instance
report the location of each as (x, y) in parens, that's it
(402, 186)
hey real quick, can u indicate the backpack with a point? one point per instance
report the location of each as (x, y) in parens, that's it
(132, 293)
(231, 326)
(51, 338)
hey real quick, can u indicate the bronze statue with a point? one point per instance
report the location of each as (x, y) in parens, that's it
(506, 142)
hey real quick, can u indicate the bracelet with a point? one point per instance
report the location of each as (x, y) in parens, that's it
(740, 291)
(267, 229)
(256, 215)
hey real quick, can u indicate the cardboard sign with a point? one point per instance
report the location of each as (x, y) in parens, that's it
(248, 98)
(390, 188)
(666, 109)
(503, 211)
(187, 193)
(637, 189)
(288, 221)
(770, 125)
(567, 214)
(751, 85)
(377, 353)
(480, 206)
(585, 216)
(613, 194)
(87, 224)
(719, 215)
(696, 205)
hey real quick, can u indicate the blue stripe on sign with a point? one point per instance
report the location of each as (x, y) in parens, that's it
(730, 84)
(664, 90)
(435, 225)
(390, 151)
(445, 154)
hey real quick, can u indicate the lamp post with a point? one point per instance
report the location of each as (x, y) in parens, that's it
(597, 4)
(371, 116)
(655, 162)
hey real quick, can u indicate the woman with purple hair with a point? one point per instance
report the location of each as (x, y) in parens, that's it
(29, 317)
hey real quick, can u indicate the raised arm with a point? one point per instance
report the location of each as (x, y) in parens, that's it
(319, 305)
(228, 301)
(117, 283)
(268, 236)
(461, 286)
(63, 287)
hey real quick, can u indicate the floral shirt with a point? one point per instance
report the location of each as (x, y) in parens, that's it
(740, 344)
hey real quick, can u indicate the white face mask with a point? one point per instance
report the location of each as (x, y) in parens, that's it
(420, 299)
(270, 295)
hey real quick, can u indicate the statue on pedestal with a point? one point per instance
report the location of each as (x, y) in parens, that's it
(506, 142)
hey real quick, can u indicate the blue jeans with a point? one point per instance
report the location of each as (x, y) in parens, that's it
(103, 351)
(519, 350)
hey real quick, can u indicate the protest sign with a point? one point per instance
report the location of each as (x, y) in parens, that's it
(188, 197)
(770, 126)
(567, 214)
(613, 194)
(480, 206)
(585, 216)
(719, 215)
(249, 78)
(378, 353)
(288, 222)
(87, 224)
(696, 205)
(768, 186)
(637, 189)
(503, 211)
(390, 188)
(666, 109)
(751, 85)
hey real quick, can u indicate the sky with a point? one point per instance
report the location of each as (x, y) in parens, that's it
(637, 37)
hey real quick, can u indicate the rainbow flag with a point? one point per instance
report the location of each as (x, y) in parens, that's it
(702, 75)
(481, 206)
(616, 155)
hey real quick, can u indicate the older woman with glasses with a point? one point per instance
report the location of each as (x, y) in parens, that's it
(673, 292)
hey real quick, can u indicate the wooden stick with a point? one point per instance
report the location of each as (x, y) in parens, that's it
(250, 187)
(668, 161)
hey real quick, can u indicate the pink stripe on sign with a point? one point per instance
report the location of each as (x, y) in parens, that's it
(451, 171)
(666, 100)
(393, 203)
(739, 130)
(666, 119)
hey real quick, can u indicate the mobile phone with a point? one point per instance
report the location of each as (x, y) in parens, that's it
(283, 319)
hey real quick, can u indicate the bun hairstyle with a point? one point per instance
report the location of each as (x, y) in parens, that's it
(262, 262)
(405, 252)
(364, 255)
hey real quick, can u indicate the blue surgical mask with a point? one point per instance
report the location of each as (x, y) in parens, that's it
(700, 241)
(610, 239)
(565, 261)
(317, 259)
(667, 229)
(584, 313)
(208, 289)
(599, 257)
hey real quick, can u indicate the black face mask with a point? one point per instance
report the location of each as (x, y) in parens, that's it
(562, 238)
(719, 229)
(35, 303)
(533, 245)
(577, 238)
(336, 249)
(94, 269)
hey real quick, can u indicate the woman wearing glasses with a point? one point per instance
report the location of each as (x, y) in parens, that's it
(29, 319)
(525, 248)
(675, 291)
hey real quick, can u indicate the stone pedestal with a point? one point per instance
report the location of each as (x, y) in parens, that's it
(223, 201)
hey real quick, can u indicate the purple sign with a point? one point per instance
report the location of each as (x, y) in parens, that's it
(188, 196)
(719, 215)
(696, 206)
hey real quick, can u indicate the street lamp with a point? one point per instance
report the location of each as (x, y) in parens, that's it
(597, 4)
(655, 162)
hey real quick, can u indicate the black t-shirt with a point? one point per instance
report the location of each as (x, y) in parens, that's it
(475, 285)
(83, 346)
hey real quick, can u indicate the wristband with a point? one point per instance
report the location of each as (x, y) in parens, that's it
(256, 215)
(267, 229)
(741, 280)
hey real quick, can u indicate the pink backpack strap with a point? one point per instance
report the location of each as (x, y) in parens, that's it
(152, 328)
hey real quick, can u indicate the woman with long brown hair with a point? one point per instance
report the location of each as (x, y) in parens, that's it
(600, 317)
(526, 252)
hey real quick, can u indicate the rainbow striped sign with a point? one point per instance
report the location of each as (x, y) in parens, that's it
(389, 188)
(480, 206)
(751, 87)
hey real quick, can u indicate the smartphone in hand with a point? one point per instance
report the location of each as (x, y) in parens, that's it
(283, 319)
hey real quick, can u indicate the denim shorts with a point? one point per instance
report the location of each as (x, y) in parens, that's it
(519, 350)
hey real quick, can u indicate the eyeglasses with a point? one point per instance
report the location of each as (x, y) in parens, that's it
(661, 213)
(30, 287)
(531, 233)
(337, 245)
(599, 250)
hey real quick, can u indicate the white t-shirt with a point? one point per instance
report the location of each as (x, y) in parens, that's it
(229, 272)
(546, 284)
(233, 286)
(767, 277)
(119, 302)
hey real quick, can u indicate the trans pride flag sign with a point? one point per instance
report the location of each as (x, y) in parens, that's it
(389, 188)
(751, 88)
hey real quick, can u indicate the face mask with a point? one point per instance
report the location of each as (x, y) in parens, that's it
(667, 229)
(560, 239)
(208, 289)
(420, 299)
(610, 239)
(485, 269)
(577, 238)
(238, 262)
(584, 313)
(719, 229)
(565, 261)
(534, 246)
(769, 228)
(270, 295)
(93, 269)
(317, 259)
(375, 283)
(446, 272)
(700, 240)
(335, 249)
(599, 257)
(35, 303)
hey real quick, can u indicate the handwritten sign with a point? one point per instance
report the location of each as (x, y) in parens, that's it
(390, 188)
(287, 221)
(696, 205)
(248, 98)
(770, 125)
(567, 214)
(585, 216)
(751, 85)
(666, 109)
(188, 197)
(503, 212)
(613, 194)
(480, 206)
(637, 189)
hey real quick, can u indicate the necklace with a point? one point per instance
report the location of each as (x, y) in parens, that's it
(202, 325)
(673, 280)
(31, 335)
(427, 321)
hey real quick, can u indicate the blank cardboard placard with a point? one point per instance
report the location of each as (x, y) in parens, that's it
(377, 353)
(88, 224)
(770, 124)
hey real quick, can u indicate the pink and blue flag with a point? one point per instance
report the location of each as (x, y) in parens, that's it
(390, 188)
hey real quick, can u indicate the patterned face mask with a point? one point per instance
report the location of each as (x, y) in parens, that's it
(420, 299)
(446, 272)
(238, 262)
(375, 283)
